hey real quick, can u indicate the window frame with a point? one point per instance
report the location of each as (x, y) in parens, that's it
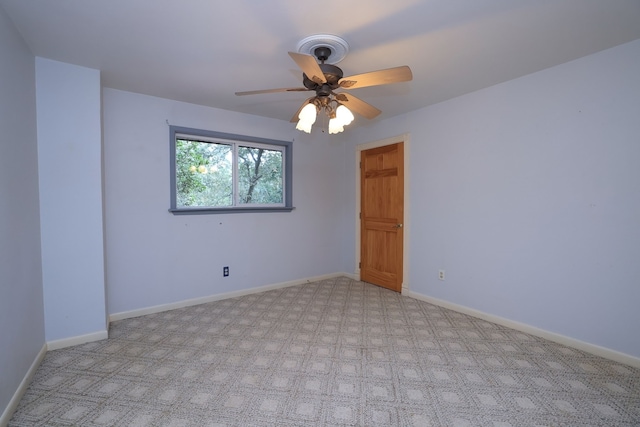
(227, 138)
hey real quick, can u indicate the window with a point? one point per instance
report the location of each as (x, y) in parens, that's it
(214, 172)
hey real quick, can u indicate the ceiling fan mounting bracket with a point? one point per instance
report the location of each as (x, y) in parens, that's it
(337, 46)
(322, 53)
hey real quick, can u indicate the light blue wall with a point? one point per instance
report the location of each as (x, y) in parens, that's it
(528, 195)
(155, 258)
(21, 307)
(70, 169)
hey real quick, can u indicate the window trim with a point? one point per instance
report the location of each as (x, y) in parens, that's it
(230, 137)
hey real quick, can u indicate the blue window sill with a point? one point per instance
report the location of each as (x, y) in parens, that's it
(205, 211)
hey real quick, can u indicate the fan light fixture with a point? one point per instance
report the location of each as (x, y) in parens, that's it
(339, 115)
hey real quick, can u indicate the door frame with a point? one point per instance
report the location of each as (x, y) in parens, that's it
(405, 138)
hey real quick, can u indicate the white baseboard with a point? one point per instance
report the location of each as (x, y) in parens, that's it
(22, 388)
(217, 297)
(522, 327)
(352, 276)
(80, 339)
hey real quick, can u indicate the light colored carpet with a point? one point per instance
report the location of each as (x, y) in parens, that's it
(335, 352)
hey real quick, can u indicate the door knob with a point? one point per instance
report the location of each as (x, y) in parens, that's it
(398, 225)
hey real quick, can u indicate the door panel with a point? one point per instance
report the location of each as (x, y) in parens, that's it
(381, 215)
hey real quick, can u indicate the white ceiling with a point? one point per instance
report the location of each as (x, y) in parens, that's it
(202, 51)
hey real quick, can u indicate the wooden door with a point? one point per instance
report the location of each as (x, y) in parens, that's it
(381, 215)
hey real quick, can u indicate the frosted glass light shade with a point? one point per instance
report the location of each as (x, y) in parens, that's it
(304, 126)
(344, 115)
(307, 118)
(335, 126)
(308, 114)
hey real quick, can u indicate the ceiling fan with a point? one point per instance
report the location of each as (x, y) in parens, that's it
(324, 78)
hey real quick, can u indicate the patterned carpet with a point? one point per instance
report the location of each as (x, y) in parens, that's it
(336, 352)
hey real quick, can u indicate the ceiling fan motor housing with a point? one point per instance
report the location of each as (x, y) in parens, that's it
(333, 75)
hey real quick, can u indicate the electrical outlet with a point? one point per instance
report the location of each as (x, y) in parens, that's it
(441, 274)
(225, 271)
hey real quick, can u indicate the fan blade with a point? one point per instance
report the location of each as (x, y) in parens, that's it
(309, 66)
(375, 78)
(357, 105)
(257, 92)
(295, 118)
